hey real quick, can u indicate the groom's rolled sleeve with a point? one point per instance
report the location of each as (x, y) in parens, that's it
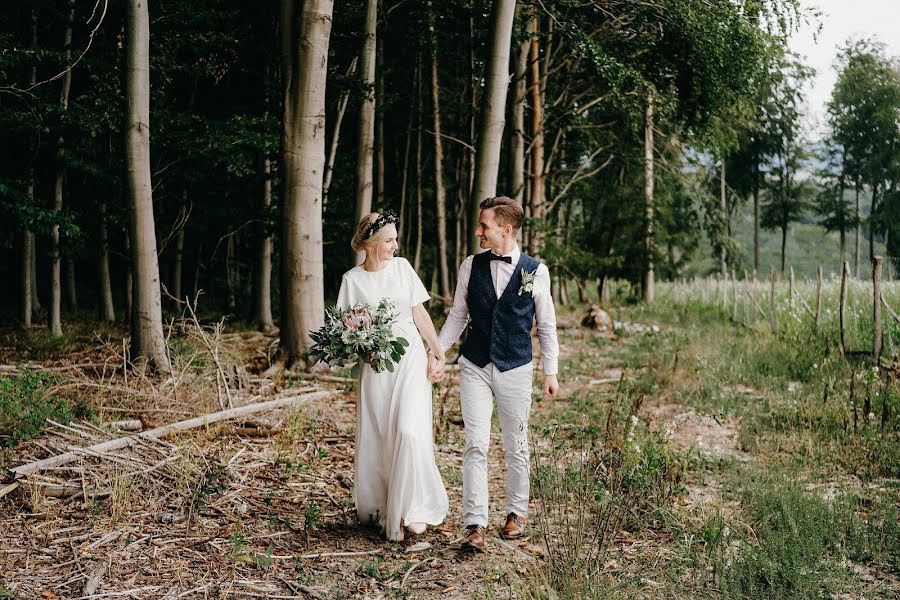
(545, 315)
(458, 319)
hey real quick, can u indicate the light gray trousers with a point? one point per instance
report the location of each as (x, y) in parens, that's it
(479, 389)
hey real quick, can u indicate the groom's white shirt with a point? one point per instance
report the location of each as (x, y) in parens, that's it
(501, 273)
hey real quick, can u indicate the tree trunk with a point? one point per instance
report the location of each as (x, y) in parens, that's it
(264, 319)
(71, 291)
(35, 299)
(756, 217)
(304, 70)
(723, 258)
(417, 260)
(230, 275)
(148, 345)
(379, 113)
(178, 269)
(55, 274)
(784, 231)
(28, 292)
(440, 190)
(536, 199)
(27, 258)
(336, 135)
(403, 226)
(107, 311)
(129, 285)
(858, 227)
(872, 222)
(649, 282)
(366, 138)
(493, 112)
(517, 123)
(843, 222)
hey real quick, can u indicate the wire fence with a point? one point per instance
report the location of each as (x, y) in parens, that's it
(860, 315)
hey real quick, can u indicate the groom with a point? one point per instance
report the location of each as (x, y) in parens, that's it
(499, 294)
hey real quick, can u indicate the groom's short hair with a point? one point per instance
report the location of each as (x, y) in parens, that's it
(507, 211)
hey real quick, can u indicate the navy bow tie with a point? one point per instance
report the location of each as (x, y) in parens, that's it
(506, 259)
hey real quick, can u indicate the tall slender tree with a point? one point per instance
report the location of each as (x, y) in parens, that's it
(493, 111)
(148, 346)
(304, 62)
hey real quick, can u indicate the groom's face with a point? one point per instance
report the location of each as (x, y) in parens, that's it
(491, 234)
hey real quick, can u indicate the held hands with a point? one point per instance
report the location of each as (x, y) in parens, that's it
(551, 386)
(436, 366)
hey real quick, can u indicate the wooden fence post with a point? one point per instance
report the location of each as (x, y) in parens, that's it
(876, 289)
(773, 322)
(818, 296)
(791, 291)
(842, 311)
(734, 297)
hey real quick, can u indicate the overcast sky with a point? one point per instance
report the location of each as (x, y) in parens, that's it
(842, 20)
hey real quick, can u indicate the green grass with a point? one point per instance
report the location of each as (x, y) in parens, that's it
(25, 406)
(763, 530)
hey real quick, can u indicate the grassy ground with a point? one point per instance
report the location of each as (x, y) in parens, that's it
(705, 459)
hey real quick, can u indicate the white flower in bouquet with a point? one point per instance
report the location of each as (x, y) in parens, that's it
(361, 333)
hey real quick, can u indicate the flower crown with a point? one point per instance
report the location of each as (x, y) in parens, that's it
(388, 217)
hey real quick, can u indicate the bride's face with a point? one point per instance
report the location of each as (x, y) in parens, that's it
(388, 246)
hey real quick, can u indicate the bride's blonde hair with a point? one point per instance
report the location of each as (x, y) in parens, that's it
(360, 241)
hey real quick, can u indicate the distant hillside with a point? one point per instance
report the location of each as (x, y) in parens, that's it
(808, 246)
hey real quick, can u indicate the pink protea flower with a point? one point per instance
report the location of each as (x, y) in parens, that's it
(358, 319)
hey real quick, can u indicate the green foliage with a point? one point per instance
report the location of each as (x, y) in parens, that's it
(25, 406)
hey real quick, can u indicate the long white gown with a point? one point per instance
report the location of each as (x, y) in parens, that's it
(396, 474)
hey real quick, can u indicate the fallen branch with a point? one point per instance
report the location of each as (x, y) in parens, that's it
(338, 554)
(164, 431)
(889, 309)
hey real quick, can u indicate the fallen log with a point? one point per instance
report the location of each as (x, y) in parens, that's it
(161, 432)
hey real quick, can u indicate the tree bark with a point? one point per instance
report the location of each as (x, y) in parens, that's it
(858, 228)
(366, 138)
(28, 292)
(417, 259)
(493, 112)
(148, 346)
(55, 274)
(843, 222)
(71, 291)
(784, 231)
(379, 112)
(335, 136)
(536, 199)
(723, 257)
(264, 320)
(305, 39)
(107, 310)
(27, 258)
(35, 299)
(517, 124)
(872, 222)
(129, 284)
(440, 190)
(756, 217)
(178, 269)
(230, 273)
(403, 225)
(649, 282)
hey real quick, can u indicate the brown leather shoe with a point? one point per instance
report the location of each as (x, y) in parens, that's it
(474, 538)
(514, 528)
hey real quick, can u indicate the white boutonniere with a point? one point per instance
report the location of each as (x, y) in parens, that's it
(527, 282)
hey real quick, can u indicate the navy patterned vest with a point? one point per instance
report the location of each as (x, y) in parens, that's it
(499, 328)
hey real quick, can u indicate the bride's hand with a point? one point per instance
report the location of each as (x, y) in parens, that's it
(436, 366)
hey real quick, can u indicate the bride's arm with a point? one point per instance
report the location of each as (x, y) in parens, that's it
(437, 360)
(426, 328)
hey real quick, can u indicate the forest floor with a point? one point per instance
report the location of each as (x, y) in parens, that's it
(686, 460)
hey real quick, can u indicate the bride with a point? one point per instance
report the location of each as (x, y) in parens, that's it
(397, 483)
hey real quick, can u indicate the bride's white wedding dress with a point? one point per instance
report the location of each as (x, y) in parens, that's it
(396, 475)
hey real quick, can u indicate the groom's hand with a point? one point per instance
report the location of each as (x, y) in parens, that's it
(436, 367)
(551, 386)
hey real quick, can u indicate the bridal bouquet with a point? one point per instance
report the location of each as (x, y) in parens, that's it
(360, 333)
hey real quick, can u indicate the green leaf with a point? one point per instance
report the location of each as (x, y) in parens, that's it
(355, 370)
